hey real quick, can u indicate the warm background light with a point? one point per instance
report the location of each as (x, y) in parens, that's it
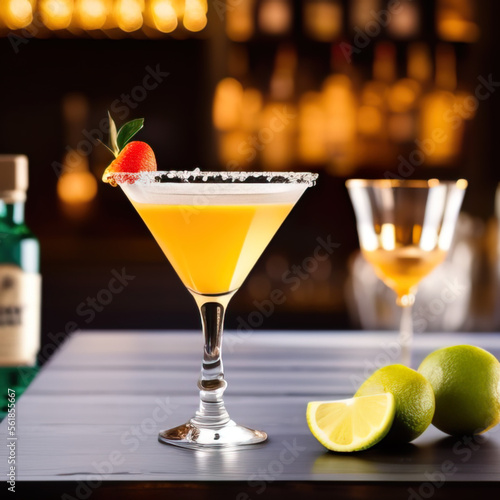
(76, 185)
(370, 120)
(56, 14)
(384, 63)
(116, 17)
(340, 104)
(195, 15)
(419, 66)
(91, 14)
(323, 19)
(227, 104)
(405, 20)
(239, 21)
(343, 119)
(251, 106)
(276, 140)
(403, 95)
(164, 15)
(456, 21)
(311, 145)
(128, 14)
(16, 14)
(361, 12)
(275, 16)
(352, 121)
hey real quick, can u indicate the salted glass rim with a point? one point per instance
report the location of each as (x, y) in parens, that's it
(212, 177)
(405, 183)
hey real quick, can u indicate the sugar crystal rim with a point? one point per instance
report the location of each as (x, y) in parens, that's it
(198, 175)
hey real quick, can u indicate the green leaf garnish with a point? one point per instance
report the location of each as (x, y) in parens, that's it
(113, 143)
(119, 139)
(128, 131)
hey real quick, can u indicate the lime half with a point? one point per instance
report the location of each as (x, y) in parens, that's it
(351, 424)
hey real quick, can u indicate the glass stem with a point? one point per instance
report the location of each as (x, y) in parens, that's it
(406, 334)
(212, 412)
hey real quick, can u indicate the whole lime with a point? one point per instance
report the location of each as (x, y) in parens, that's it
(414, 400)
(466, 384)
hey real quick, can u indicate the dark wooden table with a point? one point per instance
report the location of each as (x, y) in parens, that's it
(87, 427)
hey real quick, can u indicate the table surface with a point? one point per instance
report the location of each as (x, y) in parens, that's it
(91, 417)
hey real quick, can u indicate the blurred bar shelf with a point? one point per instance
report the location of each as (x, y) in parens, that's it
(88, 424)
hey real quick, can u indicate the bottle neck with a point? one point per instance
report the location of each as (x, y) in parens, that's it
(12, 213)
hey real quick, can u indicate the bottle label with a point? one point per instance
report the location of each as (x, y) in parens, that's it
(20, 301)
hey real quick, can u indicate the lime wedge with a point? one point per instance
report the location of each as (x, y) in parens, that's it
(351, 424)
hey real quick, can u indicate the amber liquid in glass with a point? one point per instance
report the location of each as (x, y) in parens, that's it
(404, 267)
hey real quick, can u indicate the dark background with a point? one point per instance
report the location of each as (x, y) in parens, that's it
(79, 254)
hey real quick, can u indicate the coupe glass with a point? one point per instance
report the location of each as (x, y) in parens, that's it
(405, 229)
(213, 227)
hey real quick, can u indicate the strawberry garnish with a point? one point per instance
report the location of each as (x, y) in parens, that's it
(136, 156)
(130, 157)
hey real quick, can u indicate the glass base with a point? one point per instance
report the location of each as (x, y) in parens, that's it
(227, 436)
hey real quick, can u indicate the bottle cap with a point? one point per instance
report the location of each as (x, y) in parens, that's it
(13, 178)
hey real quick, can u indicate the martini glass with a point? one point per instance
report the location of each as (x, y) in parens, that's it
(213, 227)
(405, 230)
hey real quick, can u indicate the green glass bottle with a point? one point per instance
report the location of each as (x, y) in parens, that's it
(20, 283)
